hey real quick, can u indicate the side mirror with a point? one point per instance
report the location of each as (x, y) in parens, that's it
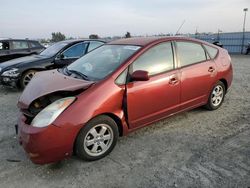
(61, 56)
(140, 75)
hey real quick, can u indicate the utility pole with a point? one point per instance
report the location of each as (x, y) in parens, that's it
(218, 35)
(244, 29)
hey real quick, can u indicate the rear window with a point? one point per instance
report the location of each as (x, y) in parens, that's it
(34, 44)
(20, 45)
(211, 51)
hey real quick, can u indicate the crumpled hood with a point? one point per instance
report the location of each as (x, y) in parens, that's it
(46, 82)
(22, 60)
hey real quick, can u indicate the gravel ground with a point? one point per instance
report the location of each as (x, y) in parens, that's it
(198, 148)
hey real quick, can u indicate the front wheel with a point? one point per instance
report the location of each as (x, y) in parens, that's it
(97, 139)
(26, 78)
(216, 97)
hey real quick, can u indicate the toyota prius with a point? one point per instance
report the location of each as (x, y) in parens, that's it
(121, 86)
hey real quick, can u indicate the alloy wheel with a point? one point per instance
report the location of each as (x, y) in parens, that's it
(27, 77)
(98, 140)
(217, 95)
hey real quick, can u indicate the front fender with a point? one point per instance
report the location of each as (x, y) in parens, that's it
(102, 98)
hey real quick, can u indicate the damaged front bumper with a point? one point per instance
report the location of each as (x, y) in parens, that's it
(44, 145)
(9, 81)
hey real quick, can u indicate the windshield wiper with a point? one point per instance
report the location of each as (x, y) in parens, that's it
(85, 77)
(66, 70)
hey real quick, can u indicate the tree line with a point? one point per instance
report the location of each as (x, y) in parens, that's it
(58, 36)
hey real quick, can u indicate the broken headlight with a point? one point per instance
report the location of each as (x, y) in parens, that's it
(51, 112)
(11, 72)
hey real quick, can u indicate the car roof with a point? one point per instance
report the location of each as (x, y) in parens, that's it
(144, 41)
(10, 39)
(64, 41)
(80, 40)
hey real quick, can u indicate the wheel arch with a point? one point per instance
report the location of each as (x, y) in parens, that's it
(26, 70)
(112, 116)
(224, 81)
(117, 120)
(34, 68)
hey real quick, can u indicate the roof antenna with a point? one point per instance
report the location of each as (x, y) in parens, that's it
(177, 32)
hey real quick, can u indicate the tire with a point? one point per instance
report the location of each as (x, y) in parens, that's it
(97, 139)
(216, 96)
(26, 77)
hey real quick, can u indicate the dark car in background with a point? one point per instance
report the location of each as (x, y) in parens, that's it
(19, 72)
(15, 48)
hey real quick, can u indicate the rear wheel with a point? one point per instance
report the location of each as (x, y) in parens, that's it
(216, 97)
(26, 77)
(97, 139)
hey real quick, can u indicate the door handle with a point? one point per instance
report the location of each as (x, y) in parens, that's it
(211, 69)
(173, 80)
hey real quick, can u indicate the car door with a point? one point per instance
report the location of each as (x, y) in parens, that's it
(198, 73)
(158, 97)
(70, 54)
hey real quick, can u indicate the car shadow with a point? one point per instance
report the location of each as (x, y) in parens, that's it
(199, 109)
(56, 166)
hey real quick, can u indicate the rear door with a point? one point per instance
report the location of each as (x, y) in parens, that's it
(158, 97)
(198, 73)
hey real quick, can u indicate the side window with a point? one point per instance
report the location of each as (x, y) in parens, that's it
(4, 45)
(20, 45)
(190, 53)
(121, 79)
(34, 44)
(156, 60)
(93, 45)
(211, 50)
(75, 51)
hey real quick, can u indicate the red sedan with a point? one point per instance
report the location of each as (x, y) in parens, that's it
(83, 108)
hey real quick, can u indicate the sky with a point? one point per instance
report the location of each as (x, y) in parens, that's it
(80, 18)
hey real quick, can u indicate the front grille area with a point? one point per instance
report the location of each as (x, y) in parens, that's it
(29, 116)
(39, 104)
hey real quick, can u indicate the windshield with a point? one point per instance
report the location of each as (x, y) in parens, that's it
(54, 49)
(101, 62)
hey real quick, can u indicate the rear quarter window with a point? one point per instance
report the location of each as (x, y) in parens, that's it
(211, 51)
(34, 45)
